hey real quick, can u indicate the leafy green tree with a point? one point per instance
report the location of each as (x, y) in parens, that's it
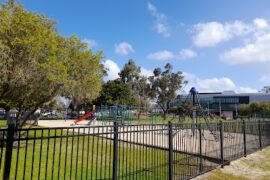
(116, 92)
(143, 89)
(254, 108)
(164, 85)
(85, 73)
(37, 64)
(131, 75)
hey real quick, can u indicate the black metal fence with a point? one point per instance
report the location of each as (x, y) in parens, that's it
(156, 151)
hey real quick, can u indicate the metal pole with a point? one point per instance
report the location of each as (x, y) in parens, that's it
(115, 151)
(244, 138)
(194, 113)
(260, 134)
(221, 144)
(9, 147)
(170, 151)
(200, 145)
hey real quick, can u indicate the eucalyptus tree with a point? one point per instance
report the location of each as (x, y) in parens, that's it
(164, 86)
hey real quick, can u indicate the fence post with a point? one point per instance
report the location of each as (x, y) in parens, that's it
(200, 145)
(260, 134)
(170, 151)
(9, 147)
(115, 151)
(221, 143)
(244, 138)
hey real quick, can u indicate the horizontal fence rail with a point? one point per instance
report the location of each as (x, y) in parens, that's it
(153, 151)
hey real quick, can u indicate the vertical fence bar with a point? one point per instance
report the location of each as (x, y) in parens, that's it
(244, 138)
(9, 147)
(260, 134)
(221, 144)
(115, 151)
(200, 145)
(170, 150)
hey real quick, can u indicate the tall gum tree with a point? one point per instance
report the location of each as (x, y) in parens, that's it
(164, 86)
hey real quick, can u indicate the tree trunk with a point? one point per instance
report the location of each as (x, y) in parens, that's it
(165, 114)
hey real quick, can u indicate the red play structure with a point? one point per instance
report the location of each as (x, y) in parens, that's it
(87, 115)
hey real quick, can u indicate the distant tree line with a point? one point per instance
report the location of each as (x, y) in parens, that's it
(260, 108)
(133, 88)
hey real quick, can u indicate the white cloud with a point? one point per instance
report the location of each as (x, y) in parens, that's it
(222, 84)
(160, 26)
(214, 84)
(168, 55)
(152, 9)
(162, 29)
(187, 54)
(256, 52)
(112, 70)
(91, 43)
(212, 33)
(161, 55)
(123, 48)
(260, 23)
(146, 72)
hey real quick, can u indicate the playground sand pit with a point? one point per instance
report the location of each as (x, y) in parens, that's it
(68, 123)
(184, 140)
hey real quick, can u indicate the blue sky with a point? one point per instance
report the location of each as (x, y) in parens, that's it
(219, 45)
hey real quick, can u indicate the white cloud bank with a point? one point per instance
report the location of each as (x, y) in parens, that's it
(210, 34)
(160, 26)
(123, 48)
(166, 55)
(261, 23)
(214, 84)
(255, 52)
(112, 70)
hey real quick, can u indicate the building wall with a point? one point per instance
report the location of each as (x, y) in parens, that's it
(226, 102)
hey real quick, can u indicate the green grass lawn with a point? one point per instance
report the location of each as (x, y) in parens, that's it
(89, 157)
(3, 123)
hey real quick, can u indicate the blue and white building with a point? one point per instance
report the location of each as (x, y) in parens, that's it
(224, 103)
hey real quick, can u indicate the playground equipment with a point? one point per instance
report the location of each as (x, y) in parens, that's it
(87, 115)
(193, 97)
(124, 114)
